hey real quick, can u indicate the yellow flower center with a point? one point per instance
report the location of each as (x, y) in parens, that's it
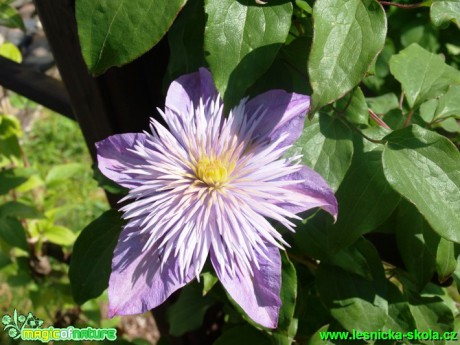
(212, 171)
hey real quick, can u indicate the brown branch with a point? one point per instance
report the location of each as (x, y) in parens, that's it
(406, 6)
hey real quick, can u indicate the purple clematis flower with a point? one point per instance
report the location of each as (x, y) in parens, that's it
(204, 187)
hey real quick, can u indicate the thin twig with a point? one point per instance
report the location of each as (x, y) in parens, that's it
(409, 118)
(401, 100)
(377, 119)
(406, 6)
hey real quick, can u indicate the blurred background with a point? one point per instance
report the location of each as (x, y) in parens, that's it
(48, 194)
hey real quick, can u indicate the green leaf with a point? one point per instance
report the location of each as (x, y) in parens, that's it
(13, 233)
(10, 51)
(312, 313)
(424, 167)
(449, 103)
(10, 17)
(399, 317)
(19, 210)
(417, 243)
(450, 125)
(209, 280)
(63, 172)
(288, 295)
(348, 35)
(106, 183)
(188, 312)
(444, 11)
(446, 259)
(428, 109)
(59, 235)
(423, 75)
(186, 40)
(243, 335)
(354, 107)
(431, 314)
(10, 179)
(355, 302)
(320, 334)
(91, 261)
(302, 4)
(417, 31)
(4, 260)
(10, 151)
(326, 147)
(241, 41)
(384, 103)
(115, 32)
(9, 126)
(365, 199)
(288, 71)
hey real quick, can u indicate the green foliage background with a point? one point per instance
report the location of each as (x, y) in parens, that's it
(383, 131)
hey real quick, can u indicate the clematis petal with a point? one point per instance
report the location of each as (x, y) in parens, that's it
(137, 282)
(258, 295)
(284, 112)
(190, 88)
(313, 192)
(114, 157)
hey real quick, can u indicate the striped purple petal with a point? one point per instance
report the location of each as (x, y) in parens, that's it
(282, 112)
(140, 280)
(258, 293)
(190, 89)
(315, 191)
(114, 157)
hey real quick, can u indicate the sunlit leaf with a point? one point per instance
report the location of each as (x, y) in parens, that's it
(348, 35)
(424, 167)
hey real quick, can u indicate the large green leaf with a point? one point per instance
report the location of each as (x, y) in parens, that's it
(355, 302)
(424, 167)
(241, 41)
(444, 11)
(365, 199)
(326, 147)
(91, 261)
(423, 75)
(417, 244)
(115, 32)
(348, 35)
(188, 312)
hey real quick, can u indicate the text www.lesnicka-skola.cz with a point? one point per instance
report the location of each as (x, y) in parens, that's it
(389, 335)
